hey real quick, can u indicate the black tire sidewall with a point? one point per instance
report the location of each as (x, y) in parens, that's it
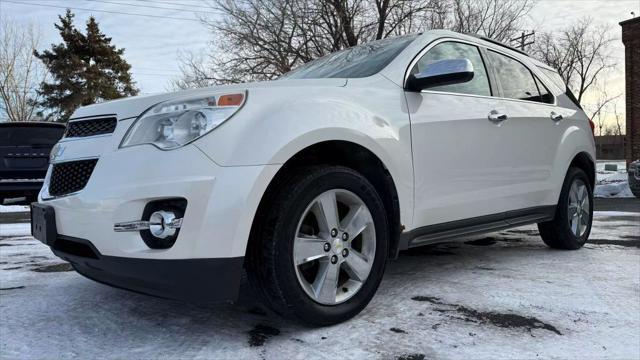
(303, 193)
(573, 241)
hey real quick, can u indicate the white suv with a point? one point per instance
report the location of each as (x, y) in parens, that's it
(312, 182)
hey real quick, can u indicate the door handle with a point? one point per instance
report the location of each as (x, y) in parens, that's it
(497, 117)
(555, 116)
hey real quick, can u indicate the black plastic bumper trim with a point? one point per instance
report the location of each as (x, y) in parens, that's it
(192, 280)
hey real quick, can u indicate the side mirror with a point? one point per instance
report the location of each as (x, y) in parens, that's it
(442, 72)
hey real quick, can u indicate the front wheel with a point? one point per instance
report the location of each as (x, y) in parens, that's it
(319, 254)
(571, 225)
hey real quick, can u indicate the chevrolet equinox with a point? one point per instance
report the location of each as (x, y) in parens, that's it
(310, 183)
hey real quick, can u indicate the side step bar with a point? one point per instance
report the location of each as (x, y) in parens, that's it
(483, 224)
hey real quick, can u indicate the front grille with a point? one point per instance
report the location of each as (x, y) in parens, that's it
(70, 177)
(82, 128)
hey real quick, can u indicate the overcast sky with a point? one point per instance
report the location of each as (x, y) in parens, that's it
(152, 42)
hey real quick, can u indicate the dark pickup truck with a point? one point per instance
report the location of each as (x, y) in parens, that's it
(24, 158)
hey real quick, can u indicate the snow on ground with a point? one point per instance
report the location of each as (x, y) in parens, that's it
(13, 208)
(21, 229)
(503, 295)
(612, 183)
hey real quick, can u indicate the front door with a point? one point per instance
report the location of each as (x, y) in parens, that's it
(461, 164)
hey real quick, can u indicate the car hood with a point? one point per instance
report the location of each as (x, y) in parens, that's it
(134, 106)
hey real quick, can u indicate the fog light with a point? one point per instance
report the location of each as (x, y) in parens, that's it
(160, 224)
(163, 224)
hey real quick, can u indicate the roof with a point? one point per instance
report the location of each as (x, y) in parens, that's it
(630, 21)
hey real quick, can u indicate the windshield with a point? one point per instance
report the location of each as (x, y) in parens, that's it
(356, 62)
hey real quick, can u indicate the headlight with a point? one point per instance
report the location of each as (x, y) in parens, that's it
(175, 123)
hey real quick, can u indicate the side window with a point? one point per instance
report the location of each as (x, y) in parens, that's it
(516, 80)
(545, 94)
(555, 77)
(479, 85)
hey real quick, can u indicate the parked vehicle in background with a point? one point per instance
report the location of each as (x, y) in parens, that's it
(24, 158)
(634, 178)
(312, 182)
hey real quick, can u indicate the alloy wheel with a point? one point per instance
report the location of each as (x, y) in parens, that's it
(578, 208)
(334, 247)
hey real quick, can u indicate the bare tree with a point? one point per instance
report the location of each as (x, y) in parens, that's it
(496, 19)
(598, 109)
(580, 53)
(619, 121)
(20, 71)
(263, 39)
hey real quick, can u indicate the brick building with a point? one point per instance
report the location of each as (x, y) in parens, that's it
(610, 147)
(631, 41)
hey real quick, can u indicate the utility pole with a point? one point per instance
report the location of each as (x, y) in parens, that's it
(521, 41)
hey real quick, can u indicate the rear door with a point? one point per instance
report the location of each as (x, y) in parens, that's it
(461, 167)
(532, 132)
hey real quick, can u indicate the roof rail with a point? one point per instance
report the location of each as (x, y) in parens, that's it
(496, 42)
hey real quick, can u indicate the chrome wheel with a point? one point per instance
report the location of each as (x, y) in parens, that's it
(335, 247)
(578, 209)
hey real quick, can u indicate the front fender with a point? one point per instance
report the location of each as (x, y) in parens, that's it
(270, 130)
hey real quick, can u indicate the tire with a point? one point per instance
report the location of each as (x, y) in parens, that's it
(561, 233)
(289, 219)
(634, 185)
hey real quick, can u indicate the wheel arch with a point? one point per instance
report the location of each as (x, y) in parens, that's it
(584, 161)
(343, 153)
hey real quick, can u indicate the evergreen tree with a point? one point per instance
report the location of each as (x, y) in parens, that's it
(85, 69)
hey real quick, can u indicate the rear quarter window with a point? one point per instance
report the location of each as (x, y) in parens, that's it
(554, 77)
(559, 82)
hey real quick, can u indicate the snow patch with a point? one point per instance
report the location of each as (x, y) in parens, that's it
(612, 183)
(599, 214)
(15, 229)
(13, 208)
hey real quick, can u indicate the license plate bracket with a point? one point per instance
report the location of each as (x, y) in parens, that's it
(43, 223)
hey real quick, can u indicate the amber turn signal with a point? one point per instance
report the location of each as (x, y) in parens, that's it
(230, 100)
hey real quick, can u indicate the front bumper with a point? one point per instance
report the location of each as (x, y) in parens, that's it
(221, 202)
(205, 262)
(193, 280)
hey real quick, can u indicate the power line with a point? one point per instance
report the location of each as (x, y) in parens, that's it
(522, 40)
(104, 11)
(150, 6)
(173, 3)
(195, 8)
(144, 68)
(158, 75)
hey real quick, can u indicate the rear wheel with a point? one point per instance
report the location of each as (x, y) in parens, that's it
(571, 226)
(319, 254)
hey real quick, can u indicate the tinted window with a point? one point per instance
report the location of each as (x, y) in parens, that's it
(516, 80)
(555, 77)
(545, 94)
(558, 81)
(358, 61)
(29, 135)
(479, 85)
